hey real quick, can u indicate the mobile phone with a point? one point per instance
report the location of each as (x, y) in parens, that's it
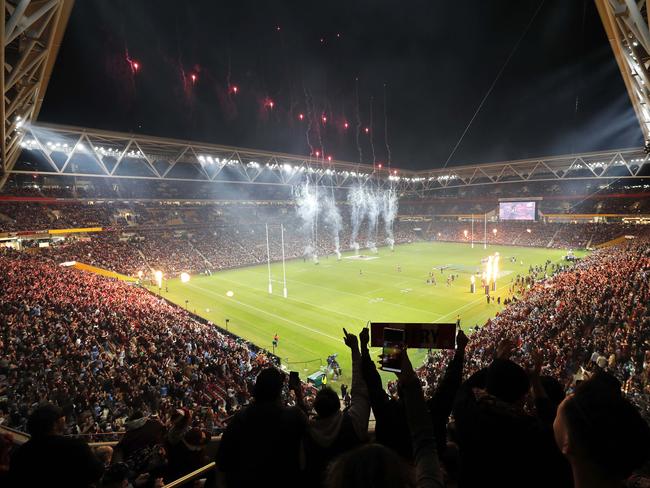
(392, 350)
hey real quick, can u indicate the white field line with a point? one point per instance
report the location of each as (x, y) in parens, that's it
(336, 339)
(470, 303)
(365, 297)
(298, 301)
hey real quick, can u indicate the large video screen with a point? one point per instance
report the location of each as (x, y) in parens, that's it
(517, 210)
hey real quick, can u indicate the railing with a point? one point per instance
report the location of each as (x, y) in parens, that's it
(17, 436)
(191, 476)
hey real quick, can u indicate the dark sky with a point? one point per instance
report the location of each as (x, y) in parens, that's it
(560, 92)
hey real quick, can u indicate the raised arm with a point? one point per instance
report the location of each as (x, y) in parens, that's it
(359, 411)
(442, 401)
(427, 467)
(376, 393)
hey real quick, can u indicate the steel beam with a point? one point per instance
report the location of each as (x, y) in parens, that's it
(31, 32)
(226, 164)
(626, 26)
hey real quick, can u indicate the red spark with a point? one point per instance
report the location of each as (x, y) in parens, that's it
(135, 65)
(379, 165)
(317, 153)
(301, 116)
(345, 125)
(366, 130)
(268, 103)
(329, 158)
(193, 77)
(277, 28)
(235, 89)
(324, 119)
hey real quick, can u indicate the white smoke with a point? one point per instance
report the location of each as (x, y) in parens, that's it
(374, 208)
(389, 212)
(307, 208)
(333, 221)
(358, 208)
(366, 203)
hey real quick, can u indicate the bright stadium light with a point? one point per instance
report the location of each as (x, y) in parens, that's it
(230, 293)
(185, 277)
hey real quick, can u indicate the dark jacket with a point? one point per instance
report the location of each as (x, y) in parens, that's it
(54, 461)
(261, 447)
(499, 442)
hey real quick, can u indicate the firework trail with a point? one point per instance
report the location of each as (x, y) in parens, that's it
(386, 128)
(358, 120)
(372, 142)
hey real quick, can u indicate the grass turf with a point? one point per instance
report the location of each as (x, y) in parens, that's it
(324, 298)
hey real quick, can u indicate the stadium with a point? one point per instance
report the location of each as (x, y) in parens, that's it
(179, 311)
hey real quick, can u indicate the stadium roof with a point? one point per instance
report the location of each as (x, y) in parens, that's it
(626, 25)
(56, 150)
(31, 33)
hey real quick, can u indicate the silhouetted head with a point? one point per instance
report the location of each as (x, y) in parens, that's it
(507, 380)
(46, 420)
(268, 385)
(327, 402)
(601, 432)
(369, 466)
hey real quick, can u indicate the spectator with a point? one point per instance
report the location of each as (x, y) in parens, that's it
(141, 446)
(376, 466)
(498, 440)
(601, 434)
(48, 458)
(262, 442)
(333, 432)
(187, 455)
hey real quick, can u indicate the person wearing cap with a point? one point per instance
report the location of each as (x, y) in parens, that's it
(49, 458)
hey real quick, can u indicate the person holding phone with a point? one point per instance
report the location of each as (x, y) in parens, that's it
(377, 466)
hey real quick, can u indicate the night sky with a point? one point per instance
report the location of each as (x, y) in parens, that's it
(128, 65)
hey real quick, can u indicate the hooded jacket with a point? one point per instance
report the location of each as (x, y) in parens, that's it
(328, 437)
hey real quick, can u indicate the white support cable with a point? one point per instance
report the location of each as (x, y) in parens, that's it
(496, 79)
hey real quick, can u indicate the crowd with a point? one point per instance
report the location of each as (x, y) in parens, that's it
(533, 234)
(593, 315)
(104, 350)
(199, 249)
(110, 357)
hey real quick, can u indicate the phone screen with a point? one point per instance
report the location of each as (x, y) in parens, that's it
(392, 350)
